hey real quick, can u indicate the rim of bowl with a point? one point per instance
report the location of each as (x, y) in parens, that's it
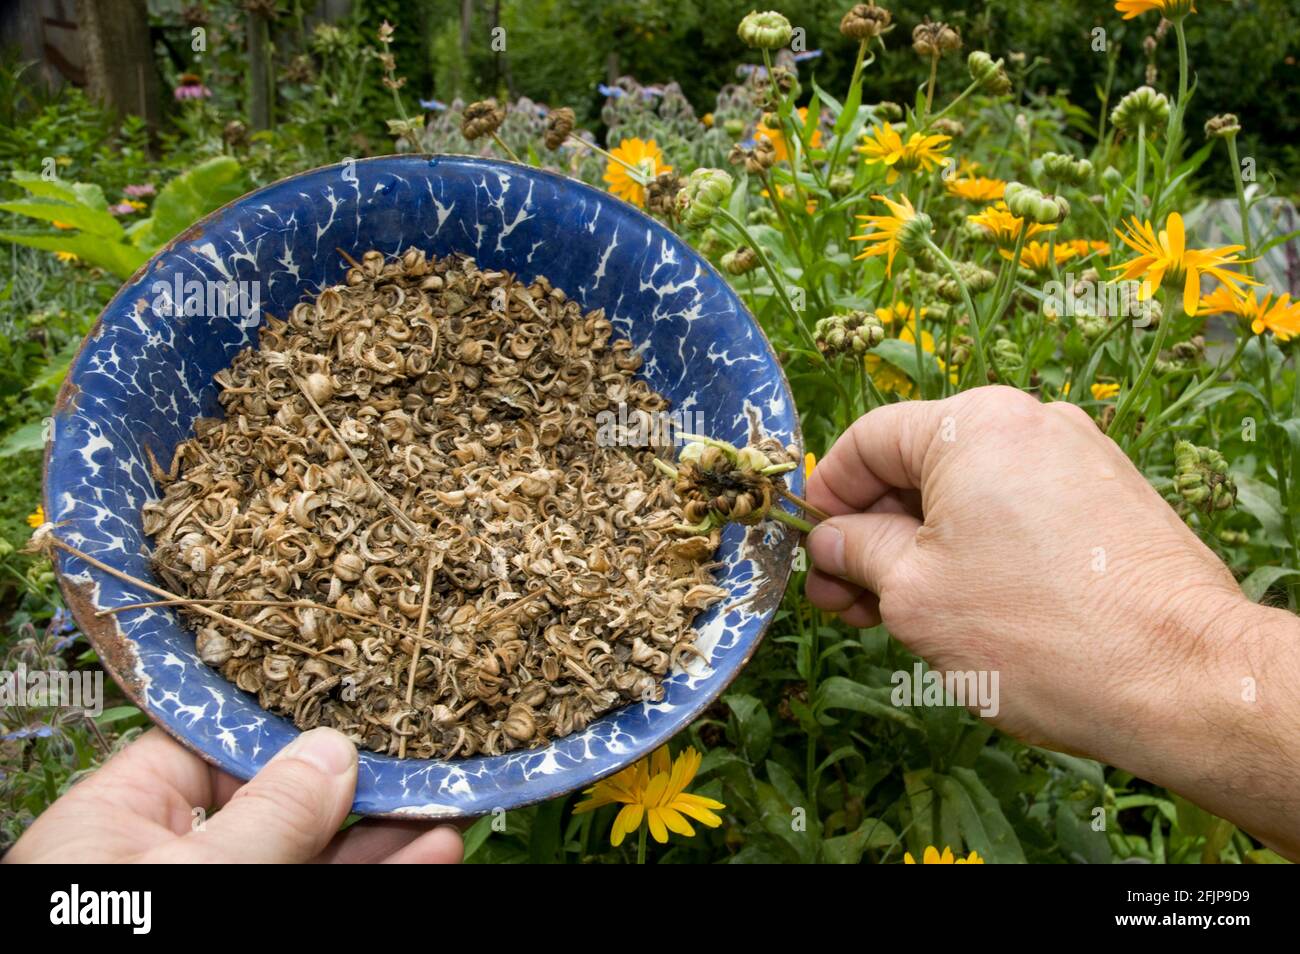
(110, 644)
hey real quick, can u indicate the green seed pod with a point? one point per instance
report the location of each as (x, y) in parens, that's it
(1142, 106)
(841, 184)
(989, 74)
(1028, 203)
(1007, 359)
(765, 31)
(699, 199)
(711, 243)
(1066, 169)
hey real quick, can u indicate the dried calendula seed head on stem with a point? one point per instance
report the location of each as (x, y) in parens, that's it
(559, 123)
(482, 118)
(408, 490)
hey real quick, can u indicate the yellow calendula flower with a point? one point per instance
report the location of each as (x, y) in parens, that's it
(653, 791)
(1279, 315)
(1169, 9)
(65, 226)
(898, 311)
(707, 120)
(36, 517)
(1165, 259)
(886, 231)
(1036, 256)
(1104, 391)
(777, 138)
(976, 189)
(66, 257)
(931, 856)
(885, 145)
(809, 462)
(643, 155)
(1003, 227)
(1085, 247)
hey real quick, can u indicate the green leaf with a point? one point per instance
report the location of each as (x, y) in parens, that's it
(1261, 578)
(116, 257)
(29, 437)
(902, 355)
(754, 726)
(82, 217)
(118, 714)
(476, 834)
(848, 849)
(190, 196)
(838, 692)
(983, 824)
(74, 193)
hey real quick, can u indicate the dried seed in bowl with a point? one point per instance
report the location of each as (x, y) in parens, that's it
(411, 462)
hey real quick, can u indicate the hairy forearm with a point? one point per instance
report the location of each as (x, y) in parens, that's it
(1225, 730)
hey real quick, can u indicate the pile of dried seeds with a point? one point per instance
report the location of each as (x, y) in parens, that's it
(407, 509)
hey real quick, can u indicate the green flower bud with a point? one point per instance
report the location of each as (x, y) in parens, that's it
(1007, 359)
(1112, 178)
(1066, 169)
(765, 31)
(735, 128)
(990, 75)
(1145, 106)
(699, 199)
(889, 112)
(1028, 203)
(762, 215)
(841, 184)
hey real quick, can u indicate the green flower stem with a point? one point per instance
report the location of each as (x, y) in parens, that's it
(854, 82)
(1150, 432)
(916, 336)
(1139, 192)
(1130, 396)
(640, 845)
(964, 93)
(790, 520)
(506, 149)
(1074, 393)
(1173, 138)
(788, 131)
(632, 170)
(981, 367)
(1009, 291)
(929, 86)
(1279, 455)
(1242, 205)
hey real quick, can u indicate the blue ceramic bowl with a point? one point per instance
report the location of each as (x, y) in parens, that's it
(144, 376)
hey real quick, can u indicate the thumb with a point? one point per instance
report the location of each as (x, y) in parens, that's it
(863, 547)
(290, 810)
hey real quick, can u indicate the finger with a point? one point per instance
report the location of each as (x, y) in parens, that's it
(155, 778)
(289, 811)
(442, 846)
(883, 450)
(371, 841)
(862, 548)
(864, 613)
(830, 593)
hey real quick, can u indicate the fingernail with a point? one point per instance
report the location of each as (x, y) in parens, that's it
(826, 547)
(325, 749)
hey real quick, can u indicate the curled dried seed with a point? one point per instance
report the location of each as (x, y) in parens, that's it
(419, 443)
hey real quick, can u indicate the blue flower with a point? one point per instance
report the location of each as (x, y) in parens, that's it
(432, 104)
(650, 92)
(615, 92)
(807, 55)
(751, 69)
(29, 732)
